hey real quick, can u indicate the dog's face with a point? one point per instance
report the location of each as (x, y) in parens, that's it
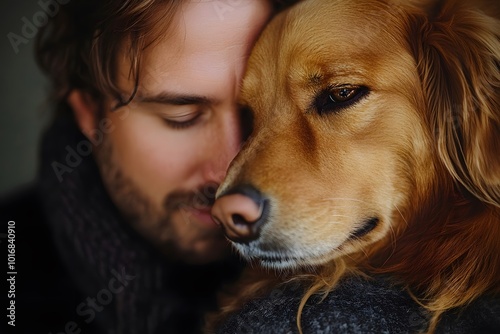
(339, 144)
(342, 148)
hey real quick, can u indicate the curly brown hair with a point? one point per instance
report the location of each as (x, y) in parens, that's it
(79, 47)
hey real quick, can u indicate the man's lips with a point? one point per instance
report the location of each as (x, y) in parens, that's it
(204, 216)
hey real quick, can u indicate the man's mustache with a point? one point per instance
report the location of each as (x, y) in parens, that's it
(201, 198)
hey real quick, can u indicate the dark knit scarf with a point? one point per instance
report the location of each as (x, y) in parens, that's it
(135, 289)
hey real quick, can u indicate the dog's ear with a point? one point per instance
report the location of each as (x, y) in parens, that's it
(457, 51)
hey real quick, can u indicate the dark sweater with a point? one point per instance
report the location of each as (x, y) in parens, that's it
(80, 266)
(357, 306)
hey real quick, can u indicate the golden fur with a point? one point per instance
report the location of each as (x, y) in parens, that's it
(418, 149)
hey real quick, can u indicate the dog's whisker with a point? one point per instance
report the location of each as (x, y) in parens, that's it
(344, 199)
(404, 219)
(345, 216)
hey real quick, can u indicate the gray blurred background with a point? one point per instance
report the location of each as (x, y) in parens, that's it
(23, 90)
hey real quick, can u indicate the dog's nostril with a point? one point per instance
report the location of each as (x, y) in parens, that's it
(239, 220)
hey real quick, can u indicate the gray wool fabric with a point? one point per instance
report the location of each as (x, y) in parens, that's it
(357, 306)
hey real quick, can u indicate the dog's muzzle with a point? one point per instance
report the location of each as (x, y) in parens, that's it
(241, 211)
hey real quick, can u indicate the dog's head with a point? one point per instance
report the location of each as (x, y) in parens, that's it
(366, 114)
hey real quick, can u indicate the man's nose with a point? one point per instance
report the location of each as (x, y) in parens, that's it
(223, 147)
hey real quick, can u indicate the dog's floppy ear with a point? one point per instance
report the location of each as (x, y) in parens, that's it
(457, 51)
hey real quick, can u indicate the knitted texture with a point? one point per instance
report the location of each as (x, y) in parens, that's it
(98, 246)
(356, 306)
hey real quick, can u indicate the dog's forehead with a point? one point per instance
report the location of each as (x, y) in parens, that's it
(317, 40)
(341, 27)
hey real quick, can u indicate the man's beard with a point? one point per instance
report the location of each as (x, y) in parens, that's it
(150, 222)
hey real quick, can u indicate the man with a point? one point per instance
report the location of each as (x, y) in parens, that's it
(116, 236)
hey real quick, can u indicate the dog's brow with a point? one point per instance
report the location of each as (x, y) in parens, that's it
(315, 79)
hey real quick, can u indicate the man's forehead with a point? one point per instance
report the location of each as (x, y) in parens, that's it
(199, 50)
(202, 26)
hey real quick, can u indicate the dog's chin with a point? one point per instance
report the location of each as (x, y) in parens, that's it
(291, 263)
(286, 257)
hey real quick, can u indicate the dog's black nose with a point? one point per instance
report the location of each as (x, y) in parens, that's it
(242, 211)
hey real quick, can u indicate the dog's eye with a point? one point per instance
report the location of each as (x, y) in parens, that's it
(338, 98)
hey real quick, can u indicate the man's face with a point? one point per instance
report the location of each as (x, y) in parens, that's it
(169, 149)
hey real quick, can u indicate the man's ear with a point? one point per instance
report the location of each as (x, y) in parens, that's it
(85, 110)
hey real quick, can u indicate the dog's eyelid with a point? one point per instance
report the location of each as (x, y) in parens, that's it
(334, 99)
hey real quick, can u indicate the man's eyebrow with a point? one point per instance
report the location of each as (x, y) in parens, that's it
(176, 99)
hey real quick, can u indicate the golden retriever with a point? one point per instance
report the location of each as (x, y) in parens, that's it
(375, 148)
